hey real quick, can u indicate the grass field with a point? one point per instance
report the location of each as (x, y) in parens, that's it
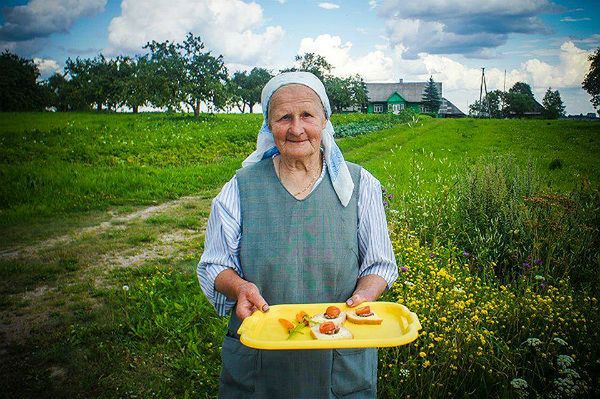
(102, 219)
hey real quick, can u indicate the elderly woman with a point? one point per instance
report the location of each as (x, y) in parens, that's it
(297, 224)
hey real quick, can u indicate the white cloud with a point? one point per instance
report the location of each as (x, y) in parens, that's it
(373, 66)
(372, 4)
(569, 72)
(570, 19)
(41, 18)
(329, 6)
(469, 27)
(47, 67)
(229, 28)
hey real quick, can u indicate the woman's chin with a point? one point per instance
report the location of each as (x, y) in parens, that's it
(296, 151)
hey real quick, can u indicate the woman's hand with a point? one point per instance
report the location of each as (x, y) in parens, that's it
(244, 292)
(249, 300)
(368, 288)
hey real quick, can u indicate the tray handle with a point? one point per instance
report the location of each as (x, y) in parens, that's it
(250, 322)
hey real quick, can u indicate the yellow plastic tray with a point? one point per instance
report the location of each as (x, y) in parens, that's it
(400, 326)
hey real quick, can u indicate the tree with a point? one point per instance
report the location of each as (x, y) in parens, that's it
(553, 105)
(248, 86)
(186, 74)
(19, 89)
(346, 92)
(313, 63)
(135, 75)
(431, 98)
(519, 99)
(493, 106)
(591, 83)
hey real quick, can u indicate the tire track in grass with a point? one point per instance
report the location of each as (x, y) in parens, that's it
(116, 222)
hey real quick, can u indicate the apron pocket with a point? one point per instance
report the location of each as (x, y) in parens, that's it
(352, 371)
(239, 368)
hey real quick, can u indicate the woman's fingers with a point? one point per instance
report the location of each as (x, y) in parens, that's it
(249, 299)
(258, 301)
(355, 300)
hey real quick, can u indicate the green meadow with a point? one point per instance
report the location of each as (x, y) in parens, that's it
(495, 225)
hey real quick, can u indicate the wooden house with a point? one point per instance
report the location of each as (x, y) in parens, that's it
(395, 97)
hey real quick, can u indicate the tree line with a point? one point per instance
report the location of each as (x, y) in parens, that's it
(173, 76)
(517, 102)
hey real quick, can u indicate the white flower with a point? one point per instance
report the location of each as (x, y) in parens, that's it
(560, 341)
(409, 283)
(125, 288)
(519, 383)
(533, 342)
(538, 277)
(564, 361)
(404, 373)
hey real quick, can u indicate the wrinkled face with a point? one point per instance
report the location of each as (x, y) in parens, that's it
(296, 119)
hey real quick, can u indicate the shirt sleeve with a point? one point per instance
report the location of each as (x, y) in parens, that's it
(375, 247)
(221, 245)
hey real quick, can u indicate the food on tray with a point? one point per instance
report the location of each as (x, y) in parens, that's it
(329, 330)
(333, 314)
(291, 328)
(302, 317)
(363, 315)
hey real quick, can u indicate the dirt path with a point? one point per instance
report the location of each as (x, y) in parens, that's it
(38, 302)
(116, 222)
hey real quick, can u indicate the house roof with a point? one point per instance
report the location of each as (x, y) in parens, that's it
(410, 91)
(447, 108)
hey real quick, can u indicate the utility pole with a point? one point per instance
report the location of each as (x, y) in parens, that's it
(482, 87)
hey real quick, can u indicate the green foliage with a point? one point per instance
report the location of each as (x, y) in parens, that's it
(431, 98)
(19, 90)
(248, 86)
(313, 63)
(556, 163)
(519, 99)
(591, 83)
(346, 93)
(492, 106)
(553, 105)
(187, 74)
(367, 124)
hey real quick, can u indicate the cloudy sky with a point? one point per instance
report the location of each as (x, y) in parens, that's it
(542, 42)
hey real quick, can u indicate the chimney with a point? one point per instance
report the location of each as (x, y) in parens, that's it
(401, 80)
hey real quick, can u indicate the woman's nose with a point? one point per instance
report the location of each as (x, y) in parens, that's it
(296, 127)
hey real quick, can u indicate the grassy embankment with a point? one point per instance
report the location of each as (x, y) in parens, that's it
(90, 337)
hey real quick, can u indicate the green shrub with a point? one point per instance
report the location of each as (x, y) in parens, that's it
(556, 163)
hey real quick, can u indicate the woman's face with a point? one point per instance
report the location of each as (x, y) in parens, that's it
(296, 119)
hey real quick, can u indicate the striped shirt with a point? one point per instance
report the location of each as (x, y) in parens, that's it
(223, 233)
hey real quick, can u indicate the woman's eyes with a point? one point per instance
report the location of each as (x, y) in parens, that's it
(302, 115)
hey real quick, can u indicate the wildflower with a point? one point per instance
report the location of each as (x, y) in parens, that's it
(409, 283)
(404, 269)
(526, 265)
(564, 361)
(533, 342)
(539, 262)
(519, 383)
(542, 285)
(426, 364)
(404, 373)
(431, 255)
(390, 197)
(466, 254)
(422, 354)
(538, 277)
(560, 341)
(125, 288)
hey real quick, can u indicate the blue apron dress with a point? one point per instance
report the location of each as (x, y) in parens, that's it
(296, 251)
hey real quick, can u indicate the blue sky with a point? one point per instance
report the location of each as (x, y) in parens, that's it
(542, 42)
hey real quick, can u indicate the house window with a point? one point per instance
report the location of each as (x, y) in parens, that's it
(378, 108)
(396, 108)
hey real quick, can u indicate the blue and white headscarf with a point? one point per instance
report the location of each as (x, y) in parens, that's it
(265, 143)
